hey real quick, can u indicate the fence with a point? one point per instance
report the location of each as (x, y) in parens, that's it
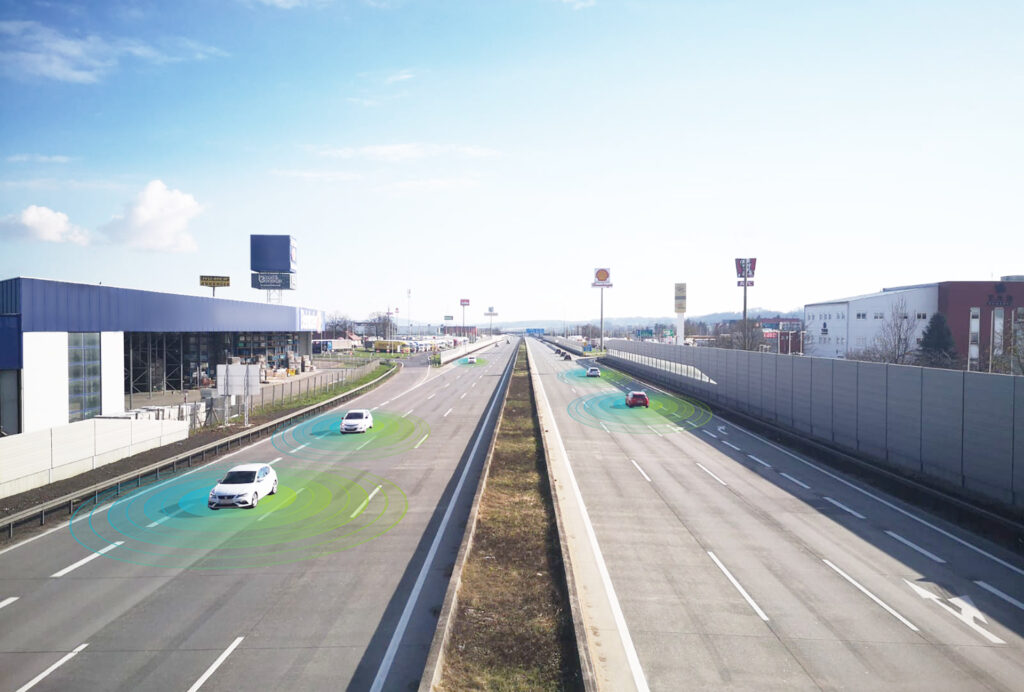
(963, 428)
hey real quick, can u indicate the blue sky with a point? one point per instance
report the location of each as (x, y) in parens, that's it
(500, 150)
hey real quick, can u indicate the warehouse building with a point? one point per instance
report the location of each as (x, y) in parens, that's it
(70, 352)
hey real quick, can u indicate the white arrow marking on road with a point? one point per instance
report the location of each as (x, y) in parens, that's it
(967, 613)
(721, 429)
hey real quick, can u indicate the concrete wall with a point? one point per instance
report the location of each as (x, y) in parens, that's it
(112, 372)
(35, 459)
(44, 380)
(965, 429)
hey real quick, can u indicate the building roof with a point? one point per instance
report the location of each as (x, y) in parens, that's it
(877, 294)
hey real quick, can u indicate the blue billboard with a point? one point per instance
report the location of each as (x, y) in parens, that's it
(272, 253)
(535, 331)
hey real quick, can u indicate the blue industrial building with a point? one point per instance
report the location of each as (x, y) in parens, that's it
(70, 351)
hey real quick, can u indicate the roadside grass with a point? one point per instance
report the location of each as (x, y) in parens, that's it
(322, 395)
(513, 626)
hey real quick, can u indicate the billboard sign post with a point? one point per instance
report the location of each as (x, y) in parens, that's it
(465, 304)
(680, 296)
(214, 281)
(602, 280)
(745, 271)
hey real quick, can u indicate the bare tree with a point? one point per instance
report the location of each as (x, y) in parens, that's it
(895, 341)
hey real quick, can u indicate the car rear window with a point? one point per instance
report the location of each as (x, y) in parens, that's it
(236, 477)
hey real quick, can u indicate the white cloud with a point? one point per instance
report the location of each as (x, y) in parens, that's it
(30, 49)
(43, 223)
(431, 185)
(318, 176)
(157, 220)
(580, 4)
(363, 102)
(37, 158)
(401, 76)
(397, 153)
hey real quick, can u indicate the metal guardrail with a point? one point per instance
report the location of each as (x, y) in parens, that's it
(134, 478)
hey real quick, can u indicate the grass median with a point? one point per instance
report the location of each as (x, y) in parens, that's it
(513, 626)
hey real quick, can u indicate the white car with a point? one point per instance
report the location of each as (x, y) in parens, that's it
(243, 486)
(593, 372)
(358, 420)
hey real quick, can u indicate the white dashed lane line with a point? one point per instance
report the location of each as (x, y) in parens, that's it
(991, 589)
(843, 507)
(730, 444)
(85, 560)
(762, 463)
(446, 413)
(37, 679)
(870, 595)
(795, 480)
(8, 601)
(646, 477)
(216, 664)
(914, 546)
(710, 434)
(708, 471)
(743, 592)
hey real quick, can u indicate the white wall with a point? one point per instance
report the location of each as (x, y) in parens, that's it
(859, 334)
(44, 380)
(112, 372)
(830, 317)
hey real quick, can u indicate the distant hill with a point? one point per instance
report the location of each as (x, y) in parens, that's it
(713, 318)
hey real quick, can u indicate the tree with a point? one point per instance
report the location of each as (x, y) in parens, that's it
(937, 347)
(894, 342)
(382, 324)
(337, 326)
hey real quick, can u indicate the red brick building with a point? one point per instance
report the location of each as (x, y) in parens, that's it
(986, 318)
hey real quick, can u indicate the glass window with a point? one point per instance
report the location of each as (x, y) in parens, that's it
(84, 376)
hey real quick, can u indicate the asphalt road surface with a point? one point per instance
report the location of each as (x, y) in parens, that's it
(335, 582)
(739, 565)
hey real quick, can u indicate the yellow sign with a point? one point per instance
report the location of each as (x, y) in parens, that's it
(214, 281)
(602, 278)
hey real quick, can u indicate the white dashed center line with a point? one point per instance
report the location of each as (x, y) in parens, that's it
(446, 413)
(707, 471)
(795, 480)
(85, 560)
(730, 444)
(762, 463)
(646, 477)
(710, 434)
(841, 506)
(914, 546)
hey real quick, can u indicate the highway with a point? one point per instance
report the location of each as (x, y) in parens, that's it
(738, 564)
(335, 582)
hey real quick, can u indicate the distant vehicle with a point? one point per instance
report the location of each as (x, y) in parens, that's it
(471, 359)
(242, 486)
(637, 399)
(357, 420)
(567, 356)
(593, 372)
(558, 351)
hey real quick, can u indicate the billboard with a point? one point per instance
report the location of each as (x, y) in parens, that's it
(464, 302)
(272, 253)
(273, 281)
(745, 267)
(449, 317)
(311, 320)
(680, 298)
(214, 281)
(602, 278)
(534, 331)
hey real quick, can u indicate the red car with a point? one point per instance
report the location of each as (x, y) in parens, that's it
(637, 399)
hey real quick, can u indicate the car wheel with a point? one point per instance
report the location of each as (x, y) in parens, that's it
(214, 508)
(273, 491)
(255, 501)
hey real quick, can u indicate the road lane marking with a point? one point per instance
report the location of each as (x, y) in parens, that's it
(872, 596)
(646, 477)
(890, 505)
(691, 424)
(375, 408)
(446, 413)
(365, 502)
(431, 396)
(297, 493)
(840, 505)
(739, 587)
(8, 601)
(795, 480)
(408, 412)
(275, 461)
(364, 444)
(84, 560)
(417, 445)
(403, 622)
(67, 657)
(216, 664)
(473, 385)
(988, 587)
(386, 402)
(655, 431)
(914, 546)
(730, 444)
(463, 395)
(762, 463)
(967, 613)
(710, 434)
(447, 385)
(710, 474)
(162, 520)
(605, 427)
(301, 447)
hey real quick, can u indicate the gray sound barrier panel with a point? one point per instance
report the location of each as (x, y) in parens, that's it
(741, 393)
(1018, 441)
(757, 362)
(821, 398)
(784, 390)
(802, 394)
(942, 423)
(844, 403)
(871, 409)
(988, 434)
(768, 386)
(903, 416)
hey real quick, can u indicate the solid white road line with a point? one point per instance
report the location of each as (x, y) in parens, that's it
(275, 461)
(890, 505)
(416, 446)
(446, 413)
(795, 480)
(84, 560)
(365, 502)
(870, 595)
(988, 587)
(711, 474)
(67, 657)
(762, 463)
(840, 505)
(8, 601)
(739, 587)
(646, 477)
(216, 664)
(730, 444)
(169, 516)
(414, 594)
(914, 546)
(710, 434)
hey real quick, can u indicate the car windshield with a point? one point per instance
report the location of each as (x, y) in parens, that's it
(237, 477)
(353, 415)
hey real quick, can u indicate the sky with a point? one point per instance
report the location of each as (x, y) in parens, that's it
(425, 151)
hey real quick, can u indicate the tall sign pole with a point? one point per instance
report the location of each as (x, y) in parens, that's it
(465, 304)
(492, 314)
(680, 296)
(745, 272)
(602, 280)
